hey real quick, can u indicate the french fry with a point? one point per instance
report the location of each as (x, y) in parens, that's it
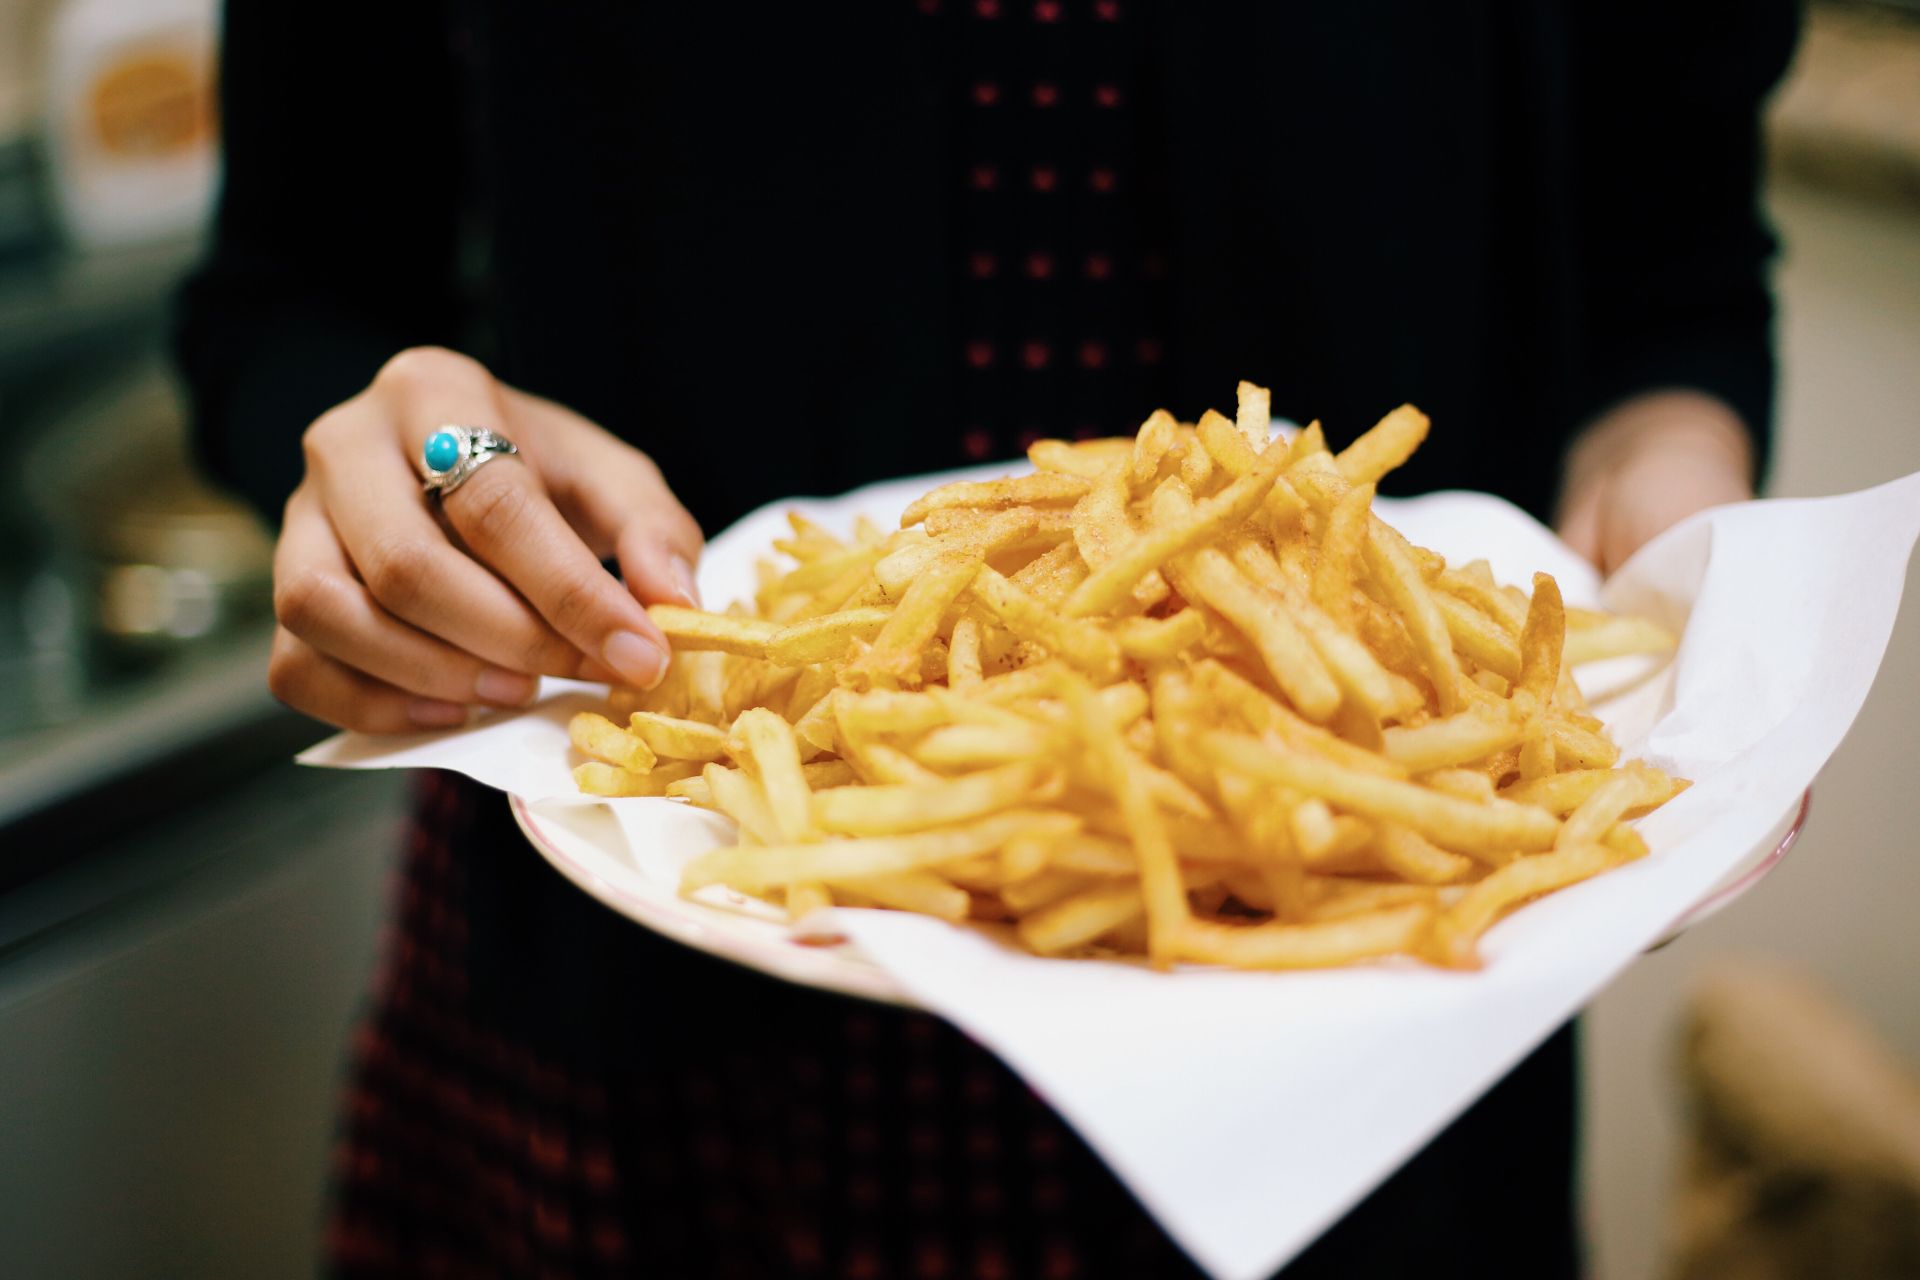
(1320, 945)
(1458, 739)
(1182, 694)
(1081, 644)
(1208, 576)
(692, 630)
(920, 891)
(1083, 458)
(825, 638)
(1615, 637)
(895, 657)
(1040, 489)
(1448, 821)
(601, 739)
(1337, 568)
(1081, 918)
(1158, 434)
(1461, 925)
(1387, 444)
(752, 868)
(1101, 528)
(900, 568)
(1186, 526)
(1414, 858)
(1253, 416)
(595, 778)
(1391, 564)
(882, 810)
(675, 739)
(805, 899)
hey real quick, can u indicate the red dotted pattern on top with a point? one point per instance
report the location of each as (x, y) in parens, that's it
(1051, 209)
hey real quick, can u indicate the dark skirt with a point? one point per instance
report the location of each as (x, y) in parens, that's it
(542, 1088)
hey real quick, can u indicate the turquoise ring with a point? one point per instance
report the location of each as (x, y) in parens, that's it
(454, 452)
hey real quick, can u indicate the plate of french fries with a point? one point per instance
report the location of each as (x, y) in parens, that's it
(1184, 698)
(1080, 758)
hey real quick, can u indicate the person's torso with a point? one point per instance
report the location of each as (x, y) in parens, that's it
(794, 249)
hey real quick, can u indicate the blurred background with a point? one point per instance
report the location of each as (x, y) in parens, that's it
(187, 921)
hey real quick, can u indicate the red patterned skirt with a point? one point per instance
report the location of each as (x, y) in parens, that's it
(543, 1089)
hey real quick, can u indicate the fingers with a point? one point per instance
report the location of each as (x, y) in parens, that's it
(507, 521)
(617, 499)
(367, 482)
(313, 684)
(318, 600)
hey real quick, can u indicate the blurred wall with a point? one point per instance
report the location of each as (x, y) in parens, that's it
(1841, 905)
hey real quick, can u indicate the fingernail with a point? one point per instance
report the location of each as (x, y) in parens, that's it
(431, 713)
(682, 573)
(638, 660)
(505, 688)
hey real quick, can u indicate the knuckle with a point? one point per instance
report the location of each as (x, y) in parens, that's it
(574, 604)
(492, 508)
(305, 599)
(418, 368)
(547, 654)
(322, 436)
(398, 571)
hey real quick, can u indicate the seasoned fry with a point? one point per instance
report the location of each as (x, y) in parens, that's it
(1564, 792)
(1186, 527)
(895, 657)
(675, 739)
(1084, 458)
(1462, 924)
(597, 779)
(1208, 576)
(692, 630)
(1390, 442)
(601, 739)
(1101, 528)
(1182, 694)
(1082, 644)
(1471, 735)
(1391, 564)
(1614, 637)
(825, 638)
(1303, 946)
(1447, 820)
(1039, 489)
(835, 861)
(1081, 918)
(882, 810)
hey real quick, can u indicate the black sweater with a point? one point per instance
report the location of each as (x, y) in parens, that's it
(733, 238)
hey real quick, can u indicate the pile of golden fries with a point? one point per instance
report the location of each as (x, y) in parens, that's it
(1183, 694)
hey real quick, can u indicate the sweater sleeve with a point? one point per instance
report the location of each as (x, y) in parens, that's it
(1674, 247)
(335, 239)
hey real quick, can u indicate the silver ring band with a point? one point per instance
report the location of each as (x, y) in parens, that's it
(454, 452)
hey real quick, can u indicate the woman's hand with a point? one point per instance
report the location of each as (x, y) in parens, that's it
(1644, 466)
(399, 612)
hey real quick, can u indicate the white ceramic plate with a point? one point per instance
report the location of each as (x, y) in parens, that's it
(586, 845)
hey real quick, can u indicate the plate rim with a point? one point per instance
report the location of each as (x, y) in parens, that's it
(824, 966)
